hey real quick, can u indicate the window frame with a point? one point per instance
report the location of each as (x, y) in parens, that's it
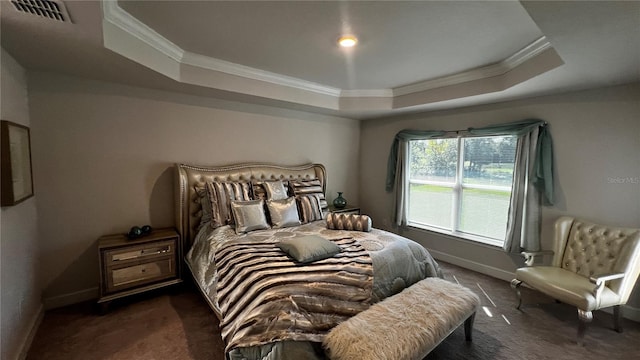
(458, 187)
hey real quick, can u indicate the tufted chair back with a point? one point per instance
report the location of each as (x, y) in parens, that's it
(590, 249)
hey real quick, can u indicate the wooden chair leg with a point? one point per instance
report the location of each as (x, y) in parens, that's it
(617, 318)
(585, 318)
(515, 285)
(468, 327)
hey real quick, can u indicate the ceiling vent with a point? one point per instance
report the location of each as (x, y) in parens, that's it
(45, 8)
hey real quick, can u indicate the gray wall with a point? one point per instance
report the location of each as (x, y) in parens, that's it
(596, 137)
(103, 158)
(20, 303)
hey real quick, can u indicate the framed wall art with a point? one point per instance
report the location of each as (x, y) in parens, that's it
(15, 171)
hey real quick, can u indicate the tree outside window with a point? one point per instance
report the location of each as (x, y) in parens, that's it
(462, 186)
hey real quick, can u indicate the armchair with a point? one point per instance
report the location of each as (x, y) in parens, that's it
(594, 266)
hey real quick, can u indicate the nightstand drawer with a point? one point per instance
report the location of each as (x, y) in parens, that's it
(119, 278)
(140, 252)
(132, 266)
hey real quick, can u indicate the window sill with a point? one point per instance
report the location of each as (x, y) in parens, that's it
(459, 235)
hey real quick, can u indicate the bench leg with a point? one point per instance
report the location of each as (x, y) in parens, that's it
(468, 327)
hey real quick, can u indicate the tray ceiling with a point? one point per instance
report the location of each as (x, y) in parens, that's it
(411, 55)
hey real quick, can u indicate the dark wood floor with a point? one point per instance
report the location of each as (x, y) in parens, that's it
(177, 324)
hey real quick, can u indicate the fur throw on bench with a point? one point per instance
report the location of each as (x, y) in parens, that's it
(405, 326)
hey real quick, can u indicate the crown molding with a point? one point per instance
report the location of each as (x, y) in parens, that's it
(207, 62)
(118, 17)
(115, 15)
(367, 93)
(528, 52)
(316, 94)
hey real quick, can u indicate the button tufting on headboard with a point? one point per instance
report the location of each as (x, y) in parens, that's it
(188, 209)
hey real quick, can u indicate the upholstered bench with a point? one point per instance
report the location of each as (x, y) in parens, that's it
(407, 325)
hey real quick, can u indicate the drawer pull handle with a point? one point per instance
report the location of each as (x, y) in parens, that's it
(127, 258)
(142, 252)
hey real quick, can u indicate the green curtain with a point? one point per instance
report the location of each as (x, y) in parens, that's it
(543, 165)
(405, 135)
(543, 162)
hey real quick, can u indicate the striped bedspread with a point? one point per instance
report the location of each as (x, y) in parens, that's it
(265, 296)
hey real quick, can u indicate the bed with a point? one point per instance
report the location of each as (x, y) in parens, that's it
(272, 304)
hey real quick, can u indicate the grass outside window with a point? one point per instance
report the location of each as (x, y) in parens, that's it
(462, 186)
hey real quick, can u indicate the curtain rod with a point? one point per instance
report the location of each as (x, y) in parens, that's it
(467, 130)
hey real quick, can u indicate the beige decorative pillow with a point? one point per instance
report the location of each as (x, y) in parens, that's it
(309, 187)
(221, 194)
(310, 208)
(350, 222)
(275, 190)
(283, 213)
(259, 189)
(249, 215)
(205, 204)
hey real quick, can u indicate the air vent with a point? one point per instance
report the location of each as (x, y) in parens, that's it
(45, 8)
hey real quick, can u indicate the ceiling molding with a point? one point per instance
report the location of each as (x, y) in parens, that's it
(207, 62)
(287, 88)
(117, 16)
(114, 14)
(528, 52)
(367, 93)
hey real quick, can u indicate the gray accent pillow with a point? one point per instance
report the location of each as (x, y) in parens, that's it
(310, 248)
(249, 215)
(283, 213)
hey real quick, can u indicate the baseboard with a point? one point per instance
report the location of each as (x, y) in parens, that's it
(33, 329)
(71, 298)
(472, 265)
(628, 312)
(631, 313)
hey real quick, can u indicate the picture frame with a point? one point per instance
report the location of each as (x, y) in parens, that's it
(16, 178)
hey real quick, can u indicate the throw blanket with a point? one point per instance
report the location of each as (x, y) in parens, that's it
(265, 296)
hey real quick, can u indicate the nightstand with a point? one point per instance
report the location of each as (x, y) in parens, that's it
(349, 209)
(130, 267)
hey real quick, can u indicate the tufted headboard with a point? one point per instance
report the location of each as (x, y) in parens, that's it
(188, 209)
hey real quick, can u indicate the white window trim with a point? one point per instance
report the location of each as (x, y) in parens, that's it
(457, 186)
(457, 234)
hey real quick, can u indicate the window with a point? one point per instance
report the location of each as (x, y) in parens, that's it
(462, 186)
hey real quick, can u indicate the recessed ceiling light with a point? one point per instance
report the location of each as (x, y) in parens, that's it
(348, 41)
